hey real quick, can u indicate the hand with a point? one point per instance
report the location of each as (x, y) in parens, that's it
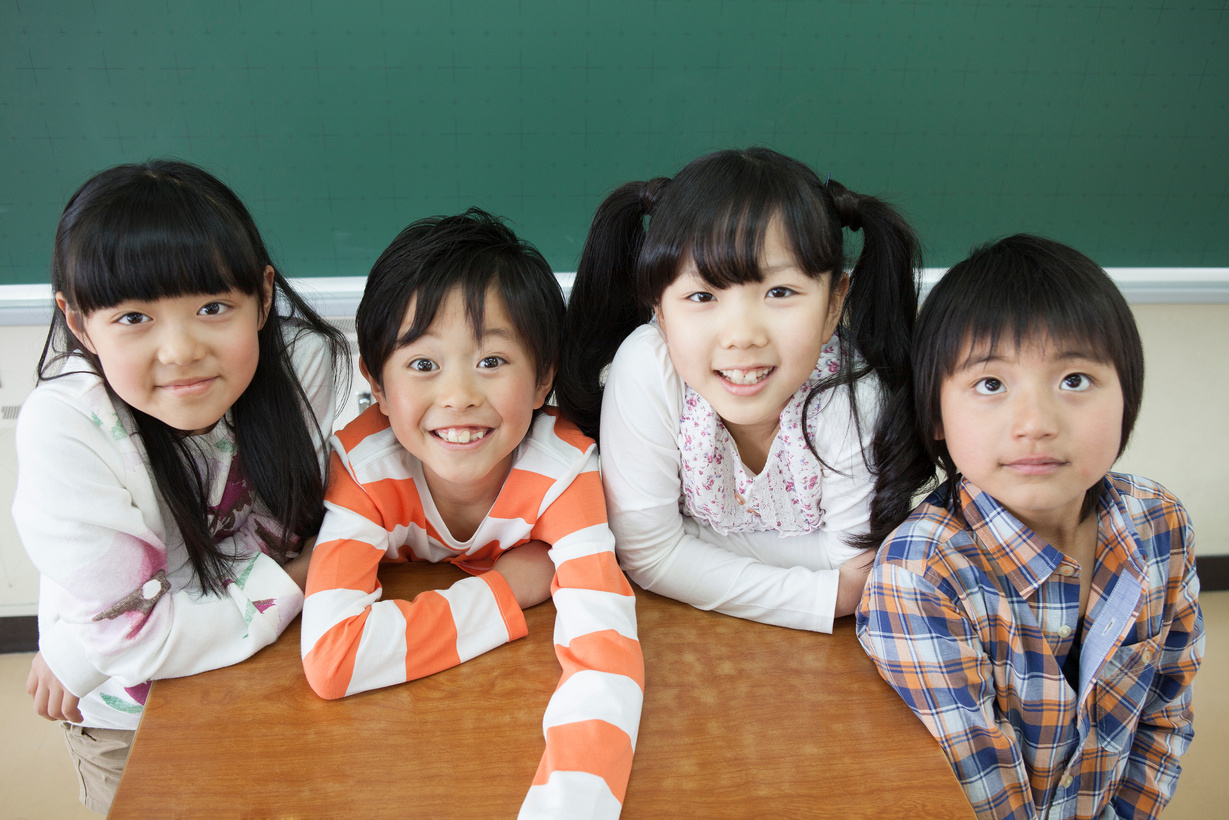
(296, 567)
(851, 582)
(529, 570)
(51, 699)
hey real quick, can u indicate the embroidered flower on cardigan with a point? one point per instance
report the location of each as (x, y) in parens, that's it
(785, 496)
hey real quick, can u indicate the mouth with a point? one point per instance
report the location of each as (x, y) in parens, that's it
(188, 387)
(461, 435)
(1035, 465)
(746, 377)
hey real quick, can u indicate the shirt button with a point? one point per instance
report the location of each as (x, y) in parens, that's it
(1067, 782)
(1066, 570)
(1064, 631)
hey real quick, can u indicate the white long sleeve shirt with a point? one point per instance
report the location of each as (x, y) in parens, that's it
(119, 603)
(762, 576)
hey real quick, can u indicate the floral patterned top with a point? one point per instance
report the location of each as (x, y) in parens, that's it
(786, 496)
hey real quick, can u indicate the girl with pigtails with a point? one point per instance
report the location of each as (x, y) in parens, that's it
(732, 372)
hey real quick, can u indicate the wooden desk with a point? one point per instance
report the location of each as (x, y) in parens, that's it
(740, 720)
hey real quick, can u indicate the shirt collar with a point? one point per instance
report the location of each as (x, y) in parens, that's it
(1023, 557)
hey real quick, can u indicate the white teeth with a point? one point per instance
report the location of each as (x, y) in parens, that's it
(745, 376)
(460, 435)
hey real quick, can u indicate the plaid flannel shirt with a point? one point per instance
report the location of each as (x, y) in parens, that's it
(970, 617)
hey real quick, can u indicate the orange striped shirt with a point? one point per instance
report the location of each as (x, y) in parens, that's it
(378, 509)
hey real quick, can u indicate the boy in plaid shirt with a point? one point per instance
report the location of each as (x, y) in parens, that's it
(1038, 612)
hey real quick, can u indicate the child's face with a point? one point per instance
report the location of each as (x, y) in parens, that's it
(747, 349)
(458, 402)
(1034, 427)
(182, 359)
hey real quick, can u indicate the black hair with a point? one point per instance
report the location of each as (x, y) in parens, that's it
(471, 251)
(1014, 291)
(166, 228)
(716, 211)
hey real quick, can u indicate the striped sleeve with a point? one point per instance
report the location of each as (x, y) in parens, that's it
(353, 641)
(593, 716)
(927, 650)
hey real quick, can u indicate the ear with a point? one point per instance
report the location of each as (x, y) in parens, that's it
(75, 322)
(661, 325)
(377, 392)
(939, 431)
(266, 295)
(836, 303)
(543, 389)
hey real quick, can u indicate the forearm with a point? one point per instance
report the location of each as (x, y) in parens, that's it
(437, 630)
(182, 634)
(593, 717)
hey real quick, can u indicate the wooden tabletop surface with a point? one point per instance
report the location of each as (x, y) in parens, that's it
(740, 720)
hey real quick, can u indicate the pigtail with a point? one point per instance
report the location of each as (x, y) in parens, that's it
(881, 307)
(878, 318)
(605, 305)
(902, 466)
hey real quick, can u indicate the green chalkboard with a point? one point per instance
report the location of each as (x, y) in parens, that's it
(1099, 123)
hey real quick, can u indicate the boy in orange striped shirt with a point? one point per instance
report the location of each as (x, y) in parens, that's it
(459, 333)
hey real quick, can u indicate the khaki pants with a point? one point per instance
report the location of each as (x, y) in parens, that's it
(98, 756)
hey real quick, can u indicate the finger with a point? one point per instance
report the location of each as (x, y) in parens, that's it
(40, 703)
(68, 708)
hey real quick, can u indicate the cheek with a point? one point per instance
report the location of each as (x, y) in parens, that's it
(243, 356)
(964, 435)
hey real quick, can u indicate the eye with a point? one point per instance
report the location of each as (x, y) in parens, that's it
(1077, 382)
(133, 318)
(700, 296)
(491, 362)
(989, 386)
(780, 292)
(423, 365)
(213, 309)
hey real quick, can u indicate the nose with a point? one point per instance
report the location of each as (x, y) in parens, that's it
(743, 326)
(458, 389)
(1036, 415)
(179, 345)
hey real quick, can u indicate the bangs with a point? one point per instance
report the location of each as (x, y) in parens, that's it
(154, 237)
(471, 282)
(716, 213)
(1018, 324)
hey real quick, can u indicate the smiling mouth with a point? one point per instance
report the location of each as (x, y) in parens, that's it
(746, 377)
(461, 435)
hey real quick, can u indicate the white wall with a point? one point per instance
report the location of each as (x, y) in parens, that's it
(1182, 436)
